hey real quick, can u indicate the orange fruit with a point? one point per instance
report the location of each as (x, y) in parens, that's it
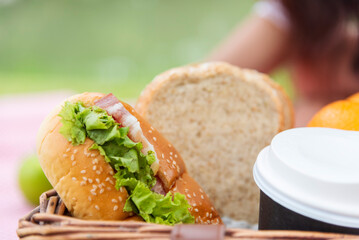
(342, 114)
(354, 98)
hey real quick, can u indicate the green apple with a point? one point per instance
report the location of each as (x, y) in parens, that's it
(32, 180)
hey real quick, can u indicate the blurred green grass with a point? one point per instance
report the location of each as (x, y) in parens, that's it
(107, 46)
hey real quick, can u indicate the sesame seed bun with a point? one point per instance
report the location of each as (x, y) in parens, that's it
(84, 180)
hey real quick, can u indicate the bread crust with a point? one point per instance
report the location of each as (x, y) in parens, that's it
(85, 182)
(285, 102)
(197, 72)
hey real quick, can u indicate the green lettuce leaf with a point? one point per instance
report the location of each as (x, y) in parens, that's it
(133, 168)
(72, 125)
(156, 208)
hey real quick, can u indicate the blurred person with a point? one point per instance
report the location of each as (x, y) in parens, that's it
(318, 40)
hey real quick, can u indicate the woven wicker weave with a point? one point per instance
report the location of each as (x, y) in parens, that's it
(51, 221)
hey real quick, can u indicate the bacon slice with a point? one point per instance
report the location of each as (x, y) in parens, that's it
(121, 115)
(158, 187)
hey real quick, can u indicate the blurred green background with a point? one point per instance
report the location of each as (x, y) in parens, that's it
(108, 46)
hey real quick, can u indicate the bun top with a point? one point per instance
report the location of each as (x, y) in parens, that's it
(84, 181)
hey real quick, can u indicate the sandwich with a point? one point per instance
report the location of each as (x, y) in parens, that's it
(227, 115)
(107, 163)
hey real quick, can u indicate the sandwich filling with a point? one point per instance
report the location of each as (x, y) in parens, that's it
(126, 157)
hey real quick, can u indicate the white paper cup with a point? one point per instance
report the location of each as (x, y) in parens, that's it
(309, 180)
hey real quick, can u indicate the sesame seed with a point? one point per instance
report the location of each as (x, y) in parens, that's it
(120, 198)
(196, 209)
(169, 145)
(194, 194)
(75, 151)
(121, 189)
(108, 188)
(94, 187)
(168, 161)
(207, 214)
(202, 196)
(154, 138)
(107, 179)
(176, 155)
(84, 178)
(68, 149)
(90, 180)
(89, 198)
(98, 172)
(97, 180)
(171, 157)
(115, 207)
(174, 162)
(83, 183)
(101, 169)
(150, 131)
(173, 166)
(111, 172)
(96, 161)
(100, 186)
(186, 190)
(111, 182)
(201, 190)
(73, 163)
(114, 200)
(163, 156)
(73, 199)
(102, 190)
(165, 173)
(210, 215)
(74, 179)
(87, 154)
(208, 221)
(72, 157)
(83, 171)
(189, 196)
(65, 155)
(93, 193)
(152, 128)
(93, 155)
(194, 204)
(97, 207)
(94, 168)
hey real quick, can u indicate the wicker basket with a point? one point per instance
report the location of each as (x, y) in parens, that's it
(51, 220)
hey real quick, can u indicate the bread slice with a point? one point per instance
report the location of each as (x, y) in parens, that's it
(219, 117)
